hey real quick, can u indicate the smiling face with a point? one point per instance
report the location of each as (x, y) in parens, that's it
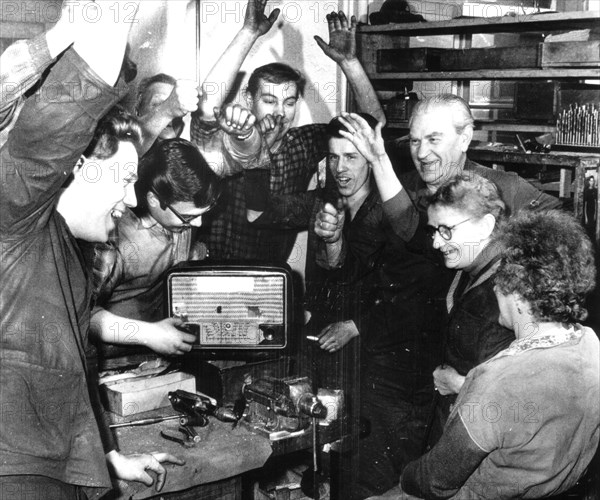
(276, 99)
(469, 237)
(154, 95)
(101, 189)
(348, 167)
(437, 149)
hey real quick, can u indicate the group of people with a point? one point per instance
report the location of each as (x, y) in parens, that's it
(458, 286)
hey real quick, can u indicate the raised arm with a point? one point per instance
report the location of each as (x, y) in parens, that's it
(22, 64)
(221, 77)
(103, 47)
(342, 49)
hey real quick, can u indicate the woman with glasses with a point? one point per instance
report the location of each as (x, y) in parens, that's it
(464, 214)
(526, 422)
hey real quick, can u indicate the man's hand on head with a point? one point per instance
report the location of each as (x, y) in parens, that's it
(256, 21)
(342, 38)
(368, 141)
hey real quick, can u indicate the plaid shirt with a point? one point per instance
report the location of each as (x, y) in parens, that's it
(21, 66)
(228, 234)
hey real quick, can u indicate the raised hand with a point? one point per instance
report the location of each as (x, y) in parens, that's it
(184, 99)
(256, 21)
(235, 120)
(342, 38)
(368, 141)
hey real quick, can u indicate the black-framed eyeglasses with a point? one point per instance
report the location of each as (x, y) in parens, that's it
(185, 218)
(445, 231)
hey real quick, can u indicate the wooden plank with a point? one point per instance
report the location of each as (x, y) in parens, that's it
(571, 54)
(491, 74)
(415, 59)
(564, 189)
(506, 24)
(561, 159)
(523, 56)
(369, 46)
(130, 397)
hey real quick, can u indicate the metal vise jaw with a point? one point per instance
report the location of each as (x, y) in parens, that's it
(287, 404)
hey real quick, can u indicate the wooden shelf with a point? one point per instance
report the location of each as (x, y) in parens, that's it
(491, 126)
(573, 167)
(493, 74)
(559, 158)
(563, 21)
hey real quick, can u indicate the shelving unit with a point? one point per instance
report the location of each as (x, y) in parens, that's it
(573, 166)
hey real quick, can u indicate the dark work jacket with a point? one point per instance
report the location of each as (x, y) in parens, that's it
(392, 290)
(48, 425)
(473, 334)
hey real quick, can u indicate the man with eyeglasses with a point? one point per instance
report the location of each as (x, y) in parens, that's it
(176, 187)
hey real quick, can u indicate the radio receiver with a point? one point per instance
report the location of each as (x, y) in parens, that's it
(231, 306)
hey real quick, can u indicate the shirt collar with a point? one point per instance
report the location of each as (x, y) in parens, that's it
(558, 336)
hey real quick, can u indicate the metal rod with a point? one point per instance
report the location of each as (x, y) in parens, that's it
(144, 421)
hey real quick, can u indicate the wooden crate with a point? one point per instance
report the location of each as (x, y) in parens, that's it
(571, 54)
(129, 397)
(416, 59)
(526, 56)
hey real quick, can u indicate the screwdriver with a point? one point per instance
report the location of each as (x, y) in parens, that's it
(144, 421)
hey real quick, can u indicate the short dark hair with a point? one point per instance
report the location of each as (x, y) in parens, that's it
(115, 127)
(275, 73)
(547, 259)
(335, 125)
(176, 171)
(145, 84)
(472, 194)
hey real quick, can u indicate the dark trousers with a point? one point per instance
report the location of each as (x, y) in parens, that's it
(395, 406)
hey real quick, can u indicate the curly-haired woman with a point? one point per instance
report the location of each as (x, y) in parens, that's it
(526, 423)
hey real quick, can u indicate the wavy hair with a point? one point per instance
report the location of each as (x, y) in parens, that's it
(115, 127)
(276, 73)
(547, 260)
(176, 171)
(462, 116)
(472, 194)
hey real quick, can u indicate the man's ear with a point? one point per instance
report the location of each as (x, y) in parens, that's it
(78, 169)
(152, 200)
(466, 137)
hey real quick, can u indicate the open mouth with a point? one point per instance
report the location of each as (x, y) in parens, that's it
(343, 181)
(116, 213)
(430, 166)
